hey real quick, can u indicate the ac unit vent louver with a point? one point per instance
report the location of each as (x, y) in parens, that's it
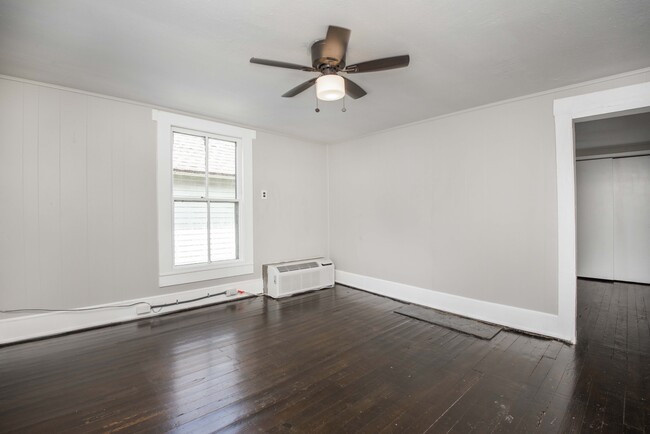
(294, 267)
(289, 278)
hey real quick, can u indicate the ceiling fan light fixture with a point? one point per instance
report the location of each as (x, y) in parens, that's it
(328, 57)
(330, 87)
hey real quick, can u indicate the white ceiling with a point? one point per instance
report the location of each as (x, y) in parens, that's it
(193, 55)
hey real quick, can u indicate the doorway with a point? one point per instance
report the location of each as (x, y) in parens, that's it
(613, 198)
(567, 112)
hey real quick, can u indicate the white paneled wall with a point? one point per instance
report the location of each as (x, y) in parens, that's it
(17, 213)
(78, 218)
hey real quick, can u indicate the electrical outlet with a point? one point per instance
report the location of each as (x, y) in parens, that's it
(264, 194)
(231, 292)
(142, 309)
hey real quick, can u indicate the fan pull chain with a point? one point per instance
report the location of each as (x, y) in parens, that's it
(317, 109)
(344, 109)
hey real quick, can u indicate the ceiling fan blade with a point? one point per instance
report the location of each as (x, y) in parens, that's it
(379, 64)
(354, 90)
(281, 64)
(300, 88)
(336, 43)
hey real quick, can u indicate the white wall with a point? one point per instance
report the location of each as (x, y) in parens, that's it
(78, 199)
(292, 222)
(464, 204)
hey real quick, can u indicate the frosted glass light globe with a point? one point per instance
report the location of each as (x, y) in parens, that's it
(330, 87)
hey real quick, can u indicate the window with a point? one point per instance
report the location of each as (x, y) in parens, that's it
(204, 190)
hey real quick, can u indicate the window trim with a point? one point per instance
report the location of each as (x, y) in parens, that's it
(176, 275)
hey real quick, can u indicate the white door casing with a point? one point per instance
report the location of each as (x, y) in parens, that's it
(566, 111)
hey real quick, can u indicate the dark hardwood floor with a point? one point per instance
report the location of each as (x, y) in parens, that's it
(337, 360)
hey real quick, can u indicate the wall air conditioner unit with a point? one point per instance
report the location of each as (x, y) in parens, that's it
(287, 278)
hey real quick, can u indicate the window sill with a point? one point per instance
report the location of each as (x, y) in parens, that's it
(178, 277)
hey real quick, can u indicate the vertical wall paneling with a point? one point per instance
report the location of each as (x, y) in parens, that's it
(49, 195)
(632, 219)
(117, 200)
(292, 221)
(30, 252)
(140, 266)
(11, 199)
(100, 199)
(595, 219)
(78, 211)
(74, 224)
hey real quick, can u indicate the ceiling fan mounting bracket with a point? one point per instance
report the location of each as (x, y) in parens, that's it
(321, 62)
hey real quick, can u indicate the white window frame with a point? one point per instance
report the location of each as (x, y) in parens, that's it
(169, 274)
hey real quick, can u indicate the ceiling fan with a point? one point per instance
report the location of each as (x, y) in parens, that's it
(328, 58)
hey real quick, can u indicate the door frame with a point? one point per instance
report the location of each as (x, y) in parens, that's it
(567, 111)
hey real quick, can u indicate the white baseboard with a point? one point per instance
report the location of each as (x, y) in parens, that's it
(15, 329)
(531, 321)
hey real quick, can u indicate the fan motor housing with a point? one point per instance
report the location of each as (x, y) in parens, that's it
(321, 62)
